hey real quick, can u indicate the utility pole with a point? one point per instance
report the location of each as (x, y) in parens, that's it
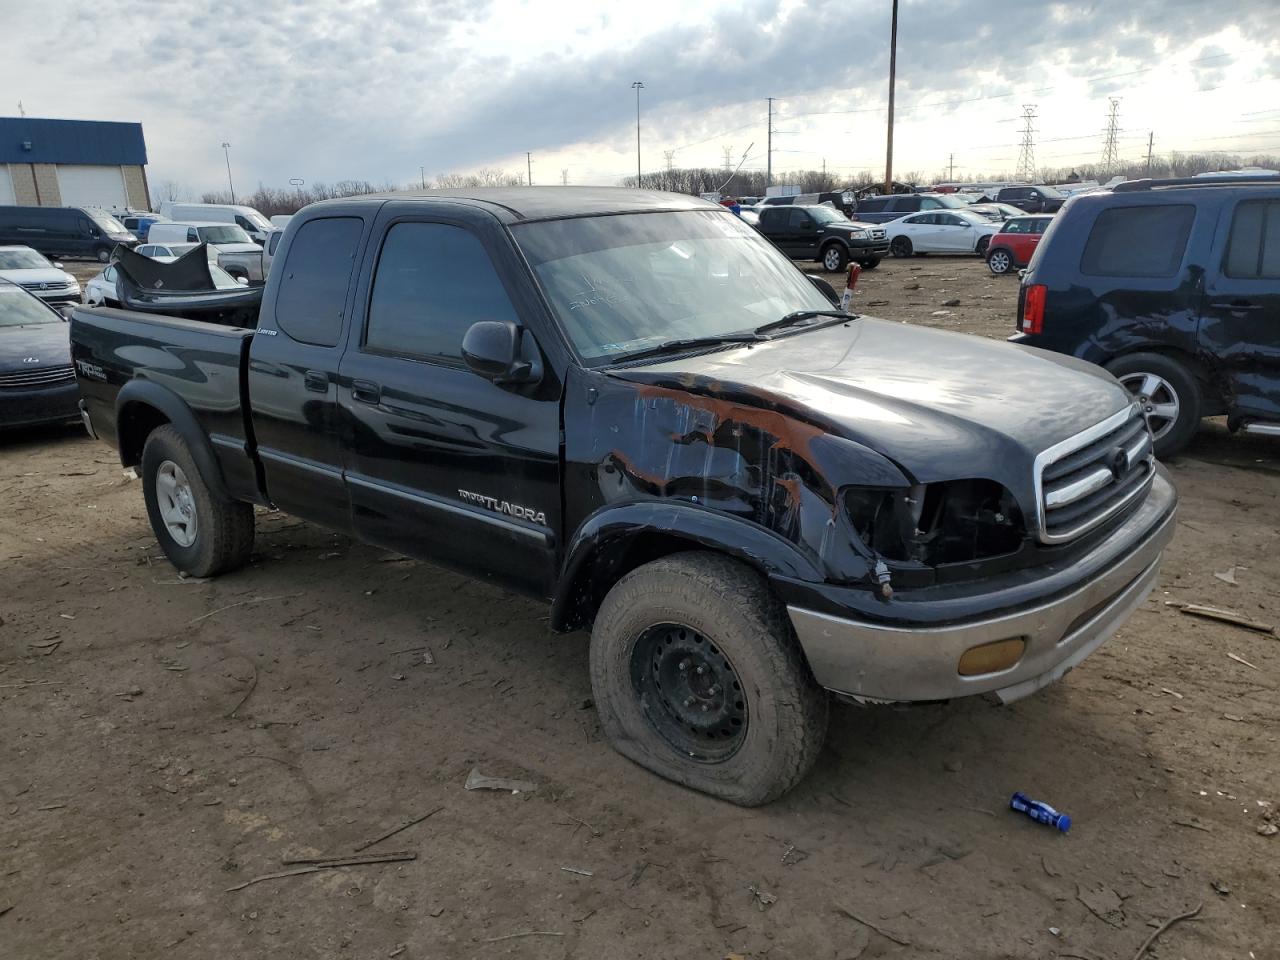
(226, 149)
(893, 75)
(669, 157)
(768, 167)
(21, 111)
(1109, 150)
(1027, 154)
(528, 159)
(422, 172)
(638, 85)
(951, 166)
(1151, 142)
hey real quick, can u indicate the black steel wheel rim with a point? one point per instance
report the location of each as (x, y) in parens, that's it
(689, 692)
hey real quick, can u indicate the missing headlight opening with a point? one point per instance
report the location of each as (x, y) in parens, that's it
(953, 522)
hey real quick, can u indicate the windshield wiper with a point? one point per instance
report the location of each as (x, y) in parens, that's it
(686, 343)
(791, 319)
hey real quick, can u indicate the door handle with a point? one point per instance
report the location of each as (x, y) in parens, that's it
(1236, 305)
(316, 381)
(366, 391)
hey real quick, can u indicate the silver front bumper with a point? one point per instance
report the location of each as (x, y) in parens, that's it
(889, 663)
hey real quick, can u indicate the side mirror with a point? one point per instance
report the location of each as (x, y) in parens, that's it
(57, 264)
(825, 288)
(243, 281)
(493, 349)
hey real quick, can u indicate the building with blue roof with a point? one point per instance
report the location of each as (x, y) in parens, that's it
(73, 163)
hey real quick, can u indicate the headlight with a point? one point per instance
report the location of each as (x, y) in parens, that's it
(956, 521)
(858, 233)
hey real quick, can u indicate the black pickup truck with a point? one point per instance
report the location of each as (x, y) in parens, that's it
(824, 234)
(632, 405)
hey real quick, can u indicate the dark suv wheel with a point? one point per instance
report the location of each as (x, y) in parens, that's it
(1169, 393)
(834, 257)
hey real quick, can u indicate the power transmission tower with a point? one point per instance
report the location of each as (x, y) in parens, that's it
(768, 167)
(1109, 157)
(669, 158)
(951, 166)
(728, 158)
(1027, 154)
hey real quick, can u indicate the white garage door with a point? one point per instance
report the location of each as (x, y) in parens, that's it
(6, 185)
(88, 186)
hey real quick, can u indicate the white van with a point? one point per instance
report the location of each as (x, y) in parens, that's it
(248, 219)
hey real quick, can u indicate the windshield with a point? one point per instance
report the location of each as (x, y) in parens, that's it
(22, 260)
(827, 215)
(622, 284)
(19, 308)
(259, 221)
(227, 234)
(950, 202)
(108, 223)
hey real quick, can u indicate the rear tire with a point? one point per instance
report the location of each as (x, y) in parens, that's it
(698, 677)
(999, 261)
(103, 254)
(1169, 393)
(981, 247)
(201, 533)
(869, 264)
(901, 247)
(834, 257)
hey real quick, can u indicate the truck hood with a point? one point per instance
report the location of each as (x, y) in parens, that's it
(46, 344)
(939, 405)
(236, 247)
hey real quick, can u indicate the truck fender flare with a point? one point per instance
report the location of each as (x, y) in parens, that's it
(595, 558)
(140, 394)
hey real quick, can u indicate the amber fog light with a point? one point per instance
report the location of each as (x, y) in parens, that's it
(992, 657)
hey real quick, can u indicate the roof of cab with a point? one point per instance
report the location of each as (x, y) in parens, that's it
(514, 204)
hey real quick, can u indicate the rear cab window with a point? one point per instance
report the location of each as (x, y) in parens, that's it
(313, 285)
(1148, 240)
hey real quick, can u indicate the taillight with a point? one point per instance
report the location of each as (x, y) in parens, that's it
(1033, 309)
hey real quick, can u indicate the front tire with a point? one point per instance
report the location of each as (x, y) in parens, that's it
(201, 533)
(981, 247)
(697, 676)
(1170, 396)
(103, 254)
(999, 261)
(834, 258)
(901, 247)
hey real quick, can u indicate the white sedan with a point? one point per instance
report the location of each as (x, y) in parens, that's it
(940, 231)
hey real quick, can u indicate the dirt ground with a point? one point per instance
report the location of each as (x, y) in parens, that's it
(167, 740)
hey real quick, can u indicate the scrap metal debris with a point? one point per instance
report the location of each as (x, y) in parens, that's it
(479, 781)
(762, 898)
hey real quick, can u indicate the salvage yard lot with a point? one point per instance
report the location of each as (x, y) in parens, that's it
(165, 740)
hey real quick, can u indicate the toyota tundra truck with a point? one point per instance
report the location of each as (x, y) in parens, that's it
(631, 405)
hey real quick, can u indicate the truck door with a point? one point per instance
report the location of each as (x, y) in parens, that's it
(293, 371)
(802, 234)
(444, 464)
(1240, 318)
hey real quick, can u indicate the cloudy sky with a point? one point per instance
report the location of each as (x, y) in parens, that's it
(325, 90)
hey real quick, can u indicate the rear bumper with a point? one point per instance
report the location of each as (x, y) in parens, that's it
(888, 662)
(29, 408)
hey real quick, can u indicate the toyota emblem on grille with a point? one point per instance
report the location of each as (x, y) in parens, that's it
(1118, 460)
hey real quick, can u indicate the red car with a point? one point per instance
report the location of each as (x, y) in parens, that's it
(1017, 240)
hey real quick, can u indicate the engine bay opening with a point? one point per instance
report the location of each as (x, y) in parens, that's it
(957, 521)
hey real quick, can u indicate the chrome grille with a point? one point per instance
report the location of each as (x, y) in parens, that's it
(878, 233)
(1089, 478)
(45, 285)
(39, 377)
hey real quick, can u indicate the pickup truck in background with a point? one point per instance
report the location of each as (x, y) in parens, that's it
(823, 234)
(630, 404)
(1038, 199)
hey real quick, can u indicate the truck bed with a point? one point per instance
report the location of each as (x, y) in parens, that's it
(180, 365)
